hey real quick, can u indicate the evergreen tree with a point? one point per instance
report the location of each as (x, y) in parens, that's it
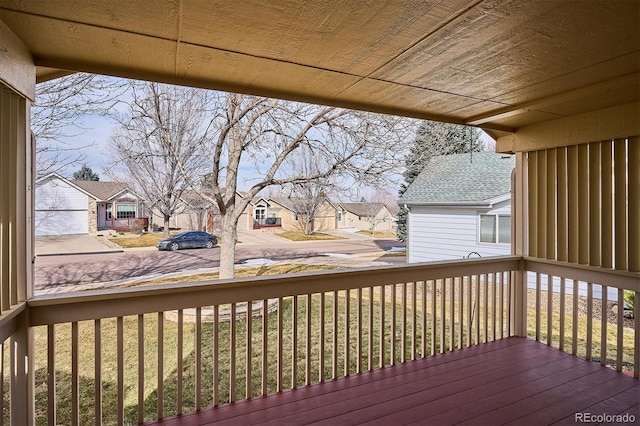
(433, 139)
(85, 173)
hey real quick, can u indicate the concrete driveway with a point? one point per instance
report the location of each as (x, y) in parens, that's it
(70, 244)
(266, 239)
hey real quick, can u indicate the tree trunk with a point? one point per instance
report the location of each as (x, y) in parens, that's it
(228, 237)
(166, 226)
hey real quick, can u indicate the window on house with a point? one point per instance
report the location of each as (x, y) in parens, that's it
(495, 228)
(260, 213)
(339, 215)
(108, 211)
(125, 212)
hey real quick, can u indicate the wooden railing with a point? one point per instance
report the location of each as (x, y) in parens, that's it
(133, 355)
(139, 354)
(585, 325)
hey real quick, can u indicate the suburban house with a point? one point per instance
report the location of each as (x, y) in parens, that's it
(292, 213)
(459, 206)
(261, 213)
(464, 341)
(65, 206)
(367, 216)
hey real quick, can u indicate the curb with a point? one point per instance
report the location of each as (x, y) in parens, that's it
(80, 253)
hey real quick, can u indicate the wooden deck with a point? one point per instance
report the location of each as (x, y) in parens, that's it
(512, 381)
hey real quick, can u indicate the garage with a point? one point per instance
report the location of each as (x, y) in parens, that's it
(61, 222)
(61, 208)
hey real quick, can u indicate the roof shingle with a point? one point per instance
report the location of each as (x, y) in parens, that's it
(461, 178)
(101, 190)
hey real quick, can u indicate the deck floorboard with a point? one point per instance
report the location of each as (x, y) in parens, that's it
(511, 381)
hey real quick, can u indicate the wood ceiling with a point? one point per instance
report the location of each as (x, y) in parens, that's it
(497, 64)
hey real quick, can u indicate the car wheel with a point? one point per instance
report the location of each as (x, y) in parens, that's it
(210, 244)
(174, 246)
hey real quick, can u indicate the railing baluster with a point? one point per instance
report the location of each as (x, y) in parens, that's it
(75, 375)
(382, 325)
(403, 327)
(510, 300)
(265, 346)
(198, 358)
(120, 380)
(423, 294)
(562, 312)
(232, 353)
(51, 375)
(334, 361)
(589, 320)
(359, 333)
(434, 329)
(538, 308)
(574, 325)
(636, 335)
(501, 303)
(160, 405)
(452, 316)
(477, 308)
(370, 340)
(97, 384)
(443, 315)
(469, 310)
(603, 326)
(486, 307)
(308, 347)
(294, 342)
(620, 331)
(549, 310)
(347, 334)
(460, 311)
(414, 295)
(321, 340)
(249, 349)
(180, 364)
(493, 305)
(215, 342)
(140, 368)
(393, 325)
(280, 344)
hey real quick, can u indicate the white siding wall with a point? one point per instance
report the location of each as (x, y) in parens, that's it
(54, 194)
(441, 233)
(60, 209)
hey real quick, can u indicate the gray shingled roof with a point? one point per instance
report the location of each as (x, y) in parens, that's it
(461, 178)
(362, 209)
(101, 190)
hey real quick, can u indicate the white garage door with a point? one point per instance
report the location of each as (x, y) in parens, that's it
(61, 222)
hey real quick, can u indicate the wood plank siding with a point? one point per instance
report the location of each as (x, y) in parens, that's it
(511, 381)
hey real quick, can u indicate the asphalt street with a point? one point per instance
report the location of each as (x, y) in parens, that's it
(112, 266)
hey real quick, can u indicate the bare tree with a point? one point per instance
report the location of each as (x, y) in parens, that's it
(375, 213)
(159, 143)
(266, 132)
(57, 115)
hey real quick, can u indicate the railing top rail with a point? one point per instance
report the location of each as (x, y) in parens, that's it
(53, 309)
(609, 277)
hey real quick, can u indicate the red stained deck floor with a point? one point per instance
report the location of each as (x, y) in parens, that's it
(512, 381)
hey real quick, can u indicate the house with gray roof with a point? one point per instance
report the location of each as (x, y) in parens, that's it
(64, 207)
(460, 206)
(365, 216)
